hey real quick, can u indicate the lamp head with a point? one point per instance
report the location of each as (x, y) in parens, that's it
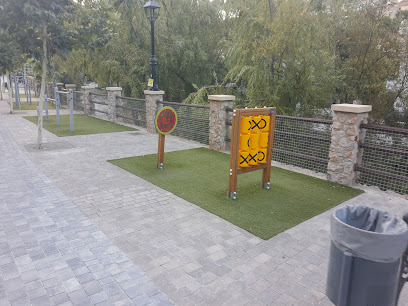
(152, 9)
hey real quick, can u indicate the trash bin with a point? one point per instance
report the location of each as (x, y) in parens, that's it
(365, 263)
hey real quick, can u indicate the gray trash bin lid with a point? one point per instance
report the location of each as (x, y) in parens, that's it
(369, 233)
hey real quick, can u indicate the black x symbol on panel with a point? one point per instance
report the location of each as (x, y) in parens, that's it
(252, 157)
(244, 159)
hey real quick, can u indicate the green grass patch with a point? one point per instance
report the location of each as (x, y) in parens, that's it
(32, 106)
(25, 96)
(83, 125)
(200, 176)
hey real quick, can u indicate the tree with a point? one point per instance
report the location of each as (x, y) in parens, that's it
(371, 51)
(31, 23)
(284, 59)
(189, 46)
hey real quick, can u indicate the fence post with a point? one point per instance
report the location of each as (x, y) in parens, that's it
(346, 133)
(71, 109)
(152, 97)
(57, 105)
(46, 108)
(29, 91)
(85, 98)
(113, 92)
(219, 104)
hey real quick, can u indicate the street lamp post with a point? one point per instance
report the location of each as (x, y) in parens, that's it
(152, 9)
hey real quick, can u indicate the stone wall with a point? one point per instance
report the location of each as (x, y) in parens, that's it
(346, 133)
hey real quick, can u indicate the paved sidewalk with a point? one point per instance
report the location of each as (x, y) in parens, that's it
(51, 253)
(192, 256)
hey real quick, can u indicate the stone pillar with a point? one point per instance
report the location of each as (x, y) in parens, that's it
(152, 98)
(85, 98)
(346, 133)
(60, 86)
(70, 86)
(218, 116)
(113, 92)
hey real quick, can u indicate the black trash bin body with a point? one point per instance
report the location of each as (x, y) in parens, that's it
(365, 257)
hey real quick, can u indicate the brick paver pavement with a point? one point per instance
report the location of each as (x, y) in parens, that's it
(192, 256)
(51, 253)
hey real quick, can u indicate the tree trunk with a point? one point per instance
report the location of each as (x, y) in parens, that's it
(42, 90)
(271, 9)
(10, 92)
(1, 87)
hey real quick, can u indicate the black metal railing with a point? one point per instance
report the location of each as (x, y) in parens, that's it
(193, 121)
(384, 158)
(131, 110)
(99, 103)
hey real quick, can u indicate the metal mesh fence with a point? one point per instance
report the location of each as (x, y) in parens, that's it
(385, 158)
(131, 110)
(302, 142)
(78, 104)
(192, 121)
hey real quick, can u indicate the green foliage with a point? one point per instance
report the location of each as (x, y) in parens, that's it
(370, 51)
(22, 20)
(296, 55)
(188, 47)
(288, 62)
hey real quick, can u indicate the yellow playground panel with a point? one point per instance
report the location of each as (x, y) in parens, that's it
(251, 144)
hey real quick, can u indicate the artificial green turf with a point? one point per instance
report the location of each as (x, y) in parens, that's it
(83, 125)
(32, 106)
(201, 176)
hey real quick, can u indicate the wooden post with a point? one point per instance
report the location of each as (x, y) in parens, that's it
(234, 169)
(236, 126)
(160, 155)
(266, 173)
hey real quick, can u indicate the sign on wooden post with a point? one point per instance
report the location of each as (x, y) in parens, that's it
(251, 145)
(166, 121)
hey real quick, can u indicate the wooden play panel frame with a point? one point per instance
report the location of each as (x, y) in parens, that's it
(234, 169)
